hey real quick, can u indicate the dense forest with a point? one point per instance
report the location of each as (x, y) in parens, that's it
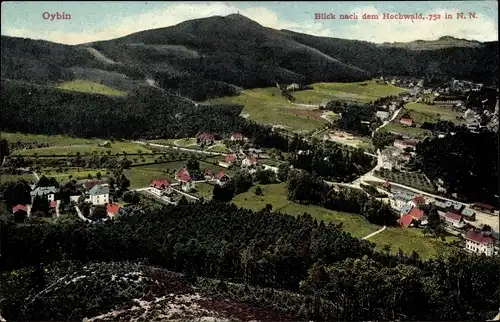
(336, 275)
(466, 162)
(355, 117)
(145, 114)
(329, 159)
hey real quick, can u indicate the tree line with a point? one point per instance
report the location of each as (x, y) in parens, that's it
(263, 249)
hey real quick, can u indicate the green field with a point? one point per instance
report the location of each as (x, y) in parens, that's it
(53, 140)
(410, 239)
(4, 178)
(324, 92)
(116, 147)
(266, 105)
(218, 148)
(421, 113)
(414, 132)
(203, 190)
(276, 195)
(77, 174)
(90, 87)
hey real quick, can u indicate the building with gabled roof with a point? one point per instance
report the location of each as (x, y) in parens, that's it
(222, 178)
(161, 187)
(479, 242)
(19, 208)
(454, 220)
(187, 184)
(99, 194)
(49, 192)
(249, 161)
(238, 137)
(112, 209)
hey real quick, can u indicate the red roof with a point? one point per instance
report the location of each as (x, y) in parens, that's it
(405, 221)
(406, 121)
(53, 204)
(205, 136)
(158, 183)
(484, 206)
(19, 207)
(91, 183)
(112, 208)
(416, 213)
(208, 171)
(479, 237)
(182, 172)
(237, 136)
(453, 216)
(419, 200)
(406, 142)
(230, 158)
(221, 175)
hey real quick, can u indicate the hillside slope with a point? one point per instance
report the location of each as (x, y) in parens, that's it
(211, 57)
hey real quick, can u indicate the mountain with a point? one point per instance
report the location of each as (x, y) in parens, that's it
(216, 56)
(442, 42)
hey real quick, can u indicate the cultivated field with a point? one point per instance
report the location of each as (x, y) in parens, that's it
(266, 105)
(52, 140)
(413, 132)
(421, 113)
(411, 179)
(4, 178)
(62, 150)
(74, 173)
(363, 92)
(90, 87)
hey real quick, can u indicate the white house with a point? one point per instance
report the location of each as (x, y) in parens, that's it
(161, 187)
(382, 115)
(454, 220)
(479, 243)
(99, 194)
(222, 178)
(249, 161)
(238, 137)
(403, 144)
(187, 184)
(49, 192)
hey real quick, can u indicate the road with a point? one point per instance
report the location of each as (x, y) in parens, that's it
(177, 148)
(374, 233)
(388, 121)
(80, 215)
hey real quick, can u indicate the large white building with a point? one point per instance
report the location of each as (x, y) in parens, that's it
(49, 192)
(161, 187)
(479, 243)
(99, 194)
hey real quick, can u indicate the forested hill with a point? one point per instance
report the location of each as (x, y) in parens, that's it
(144, 114)
(216, 55)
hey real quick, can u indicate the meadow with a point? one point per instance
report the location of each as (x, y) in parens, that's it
(266, 105)
(4, 178)
(73, 173)
(86, 86)
(421, 113)
(52, 140)
(113, 148)
(324, 92)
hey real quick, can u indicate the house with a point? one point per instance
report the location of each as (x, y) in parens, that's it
(406, 221)
(205, 138)
(406, 121)
(416, 213)
(19, 208)
(403, 144)
(161, 187)
(483, 207)
(187, 184)
(249, 161)
(222, 178)
(382, 115)
(469, 214)
(454, 220)
(208, 174)
(49, 192)
(238, 137)
(254, 151)
(89, 184)
(53, 204)
(478, 242)
(99, 194)
(406, 209)
(469, 114)
(418, 201)
(292, 87)
(112, 209)
(228, 160)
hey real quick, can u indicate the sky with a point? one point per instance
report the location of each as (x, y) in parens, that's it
(92, 21)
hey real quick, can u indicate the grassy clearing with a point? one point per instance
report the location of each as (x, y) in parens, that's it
(421, 113)
(266, 105)
(77, 173)
(187, 142)
(141, 177)
(203, 190)
(53, 140)
(116, 147)
(218, 148)
(275, 194)
(4, 178)
(324, 92)
(86, 86)
(410, 239)
(414, 132)
(163, 141)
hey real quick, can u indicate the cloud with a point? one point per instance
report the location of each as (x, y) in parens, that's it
(483, 28)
